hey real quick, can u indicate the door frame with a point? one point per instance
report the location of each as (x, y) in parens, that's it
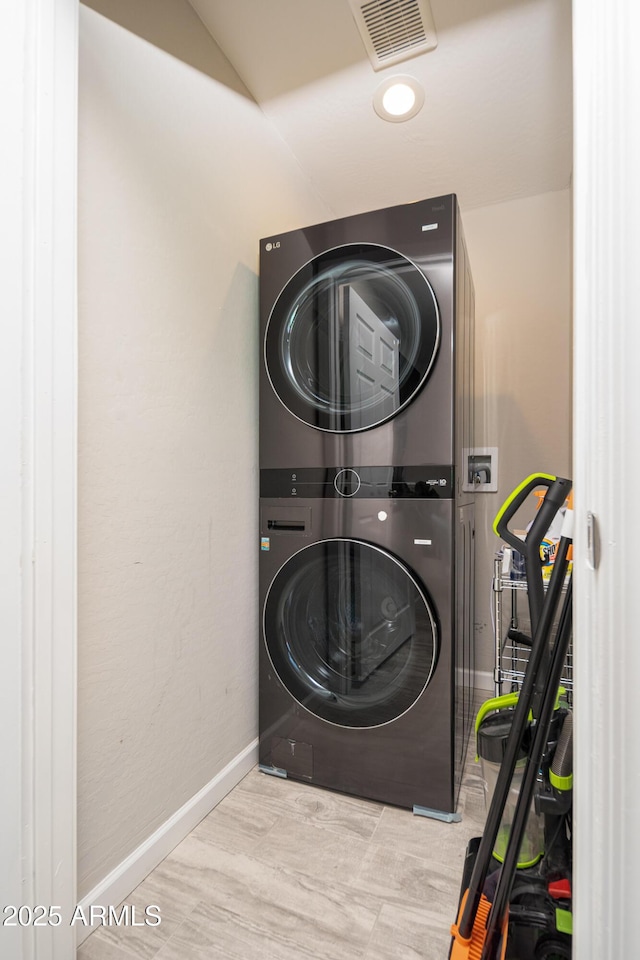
(38, 412)
(607, 465)
(38, 381)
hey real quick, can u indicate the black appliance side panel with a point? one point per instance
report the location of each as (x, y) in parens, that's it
(464, 669)
(464, 672)
(464, 369)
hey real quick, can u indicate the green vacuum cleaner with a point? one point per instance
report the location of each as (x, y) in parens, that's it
(516, 887)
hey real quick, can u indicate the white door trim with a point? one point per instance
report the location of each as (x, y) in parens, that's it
(38, 189)
(38, 70)
(607, 466)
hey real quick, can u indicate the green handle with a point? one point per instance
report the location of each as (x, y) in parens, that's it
(513, 502)
(490, 706)
(496, 703)
(557, 490)
(503, 703)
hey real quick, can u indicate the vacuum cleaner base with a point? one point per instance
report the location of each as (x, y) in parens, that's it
(539, 922)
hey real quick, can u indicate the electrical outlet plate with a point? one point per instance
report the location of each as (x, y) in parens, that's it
(481, 470)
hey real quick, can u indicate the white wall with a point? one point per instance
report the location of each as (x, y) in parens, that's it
(180, 175)
(520, 255)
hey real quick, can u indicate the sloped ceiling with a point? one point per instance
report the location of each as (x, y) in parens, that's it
(497, 118)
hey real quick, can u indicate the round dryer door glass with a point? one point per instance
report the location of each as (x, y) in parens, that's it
(352, 338)
(350, 633)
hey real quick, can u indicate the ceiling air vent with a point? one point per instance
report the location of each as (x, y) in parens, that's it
(394, 30)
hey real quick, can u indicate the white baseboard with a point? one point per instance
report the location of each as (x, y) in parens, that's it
(124, 878)
(484, 680)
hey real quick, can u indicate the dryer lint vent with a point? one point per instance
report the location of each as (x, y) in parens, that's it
(394, 30)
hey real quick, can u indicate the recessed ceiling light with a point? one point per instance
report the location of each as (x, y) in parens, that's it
(398, 98)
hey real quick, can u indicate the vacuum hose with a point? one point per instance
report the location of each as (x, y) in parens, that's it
(562, 765)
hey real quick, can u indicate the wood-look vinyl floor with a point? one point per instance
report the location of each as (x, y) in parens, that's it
(286, 871)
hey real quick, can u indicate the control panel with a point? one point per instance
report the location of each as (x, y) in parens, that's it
(396, 483)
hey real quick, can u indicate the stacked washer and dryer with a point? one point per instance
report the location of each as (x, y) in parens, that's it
(366, 525)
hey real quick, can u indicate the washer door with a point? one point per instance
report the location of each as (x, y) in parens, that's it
(350, 633)
(352, 338)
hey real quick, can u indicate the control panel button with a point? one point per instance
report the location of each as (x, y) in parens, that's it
(347, 482)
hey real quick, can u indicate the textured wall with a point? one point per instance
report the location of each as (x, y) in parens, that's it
(520, 255)
(179, 177)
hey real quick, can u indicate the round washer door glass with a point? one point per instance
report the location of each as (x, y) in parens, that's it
(352, 338)
(350, 633)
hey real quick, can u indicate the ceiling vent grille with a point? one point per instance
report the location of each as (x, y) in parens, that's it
(394, 30)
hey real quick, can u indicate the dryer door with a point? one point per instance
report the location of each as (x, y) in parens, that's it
(352, 338)
(350, 633)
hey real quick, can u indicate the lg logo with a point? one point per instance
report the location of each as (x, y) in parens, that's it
(272, 246)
